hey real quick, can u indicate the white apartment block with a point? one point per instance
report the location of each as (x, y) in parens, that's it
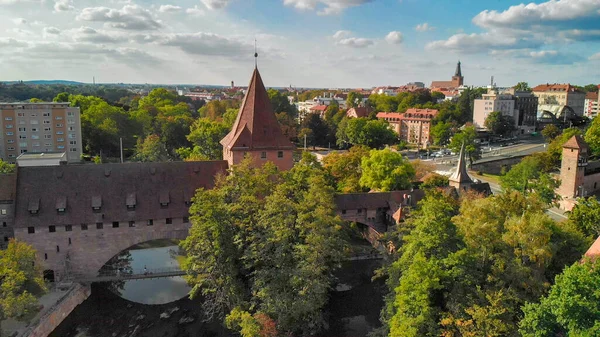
(490, 102)
(592, 104)
(38, 128)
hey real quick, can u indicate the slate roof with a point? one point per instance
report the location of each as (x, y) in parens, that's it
(8, 185)
(461, 175)
(111, 187)
(256, 126)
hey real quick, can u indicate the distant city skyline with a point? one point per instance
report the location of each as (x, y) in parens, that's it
(303, 43)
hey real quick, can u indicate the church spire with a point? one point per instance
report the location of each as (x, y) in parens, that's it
(460, 178)
(458, 72)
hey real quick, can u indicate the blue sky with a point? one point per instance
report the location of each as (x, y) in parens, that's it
(304, 43)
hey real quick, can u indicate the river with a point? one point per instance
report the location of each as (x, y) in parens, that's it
(160, 307)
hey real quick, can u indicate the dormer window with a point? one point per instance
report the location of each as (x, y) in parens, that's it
(96, 203)
(34, 206)
(131, 201)
(164, 198)
(61, 204)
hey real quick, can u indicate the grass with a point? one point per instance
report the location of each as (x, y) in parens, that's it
(489, 177)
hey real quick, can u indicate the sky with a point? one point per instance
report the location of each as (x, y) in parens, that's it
(302, 43)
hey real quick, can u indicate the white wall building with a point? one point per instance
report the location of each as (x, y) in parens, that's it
(490, 102)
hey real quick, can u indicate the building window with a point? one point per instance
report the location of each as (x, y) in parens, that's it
(68, 228)
(9, 126)
(8, 118)
(186, 219)
(58, 118)
(263, 155)
(343, 211)
(57, 249)
(59, 125)
(169, 221)
(3, 212)
(69, 241)
(6, 239)
(84, 227)
(279, 154)
(31, 230)
(10, 134)
(99, 225)
(22, 129)
(52, 229)
(45, 256)
(115, 224)
(3, 223)
(46, 114)
(150, 222)
(70, 113)
(60, 132)
(131, 223)
(359, 211)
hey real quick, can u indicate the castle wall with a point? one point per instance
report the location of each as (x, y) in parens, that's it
(591, 183)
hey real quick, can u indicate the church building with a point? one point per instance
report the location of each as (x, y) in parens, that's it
(456, 82)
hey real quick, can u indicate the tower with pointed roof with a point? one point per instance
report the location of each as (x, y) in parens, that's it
(460, 178)
(572, 170)
(256, 132)
(457, 79)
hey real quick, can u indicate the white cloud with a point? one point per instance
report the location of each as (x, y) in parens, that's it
(88, 34)
(51, 31)
(342, 34)
(394, 37)
(355, 42)
(12, 43)
(169, 9)
(63, 5)
(215, 4)
(195, 11)
(424, 27)
(327, 7)
(130, 17)
(535, 14)
(554, 57)
(595, 57)
(485, 42)
(207, 44)
(20, 21)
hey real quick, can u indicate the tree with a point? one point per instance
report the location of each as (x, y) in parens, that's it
(441, 133)
(263, 246)
(528, 177)
(386, 170)
(281, 103)
(592, 136)
(318, 127)
(362, 131)
(35, 100)
(572, 307)
(435, 180)
(466, 136)
(522, 86)
(353, 100)
(61, 97)
(21, 280)
(591, 88)
(345, 168)
(586, 216)
(151, 149)
(555, 148)
(205, 136)
(499, 124)
(550, 132)
(6, 168)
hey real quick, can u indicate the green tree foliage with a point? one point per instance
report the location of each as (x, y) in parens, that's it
(61, 97)
(522, 86)
(435, 180)
(386, 170)
(592, 136)
(586, 216)
(555, 148)
(465, 104)
(205, 136)
(281, 103)
(441, 133)
(550, 132)
(6, 168)
(215, 110)
(572, 308)
(319, 129)
(528, 177)
(266, 242)
(150, 149)
(353, 100)
(499, 124)
(344, 167)
(20, 280)
(468, 271)
(363, 131)
(35, 100)
(467, 136)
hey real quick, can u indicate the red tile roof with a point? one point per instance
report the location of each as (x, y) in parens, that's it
(319, 108)
(358, 112)
(410, 114)
(256, 126)
(575, 142)
(554, 87)
(592, 96)
(594, 250)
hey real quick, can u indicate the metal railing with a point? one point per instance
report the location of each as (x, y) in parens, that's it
(146, 273)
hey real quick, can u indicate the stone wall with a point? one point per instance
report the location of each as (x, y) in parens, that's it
(82, 252)
(591, 183)
(496, 166)
(54, 315)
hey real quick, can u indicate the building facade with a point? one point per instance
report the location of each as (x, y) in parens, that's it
(40, 127)
(493, 101)
(561, 95)
(591, 104)
(412, 126)
(457, 80)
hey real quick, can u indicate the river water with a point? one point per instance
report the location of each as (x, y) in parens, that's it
(160, 307)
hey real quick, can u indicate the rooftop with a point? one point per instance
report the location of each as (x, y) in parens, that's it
(43, 155)
(555, 87)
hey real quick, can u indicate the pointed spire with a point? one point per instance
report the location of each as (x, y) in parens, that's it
(458, 72)
(255, 56)
(460, 176)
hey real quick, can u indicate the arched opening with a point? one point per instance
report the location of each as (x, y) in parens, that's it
(137, 272)
(49, 275)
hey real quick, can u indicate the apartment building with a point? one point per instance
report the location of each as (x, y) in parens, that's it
(561, 95)
(592, 104)
(412, 126)
(493, 101)
(39, 127)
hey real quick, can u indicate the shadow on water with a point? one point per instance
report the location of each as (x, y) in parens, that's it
(352, 312)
